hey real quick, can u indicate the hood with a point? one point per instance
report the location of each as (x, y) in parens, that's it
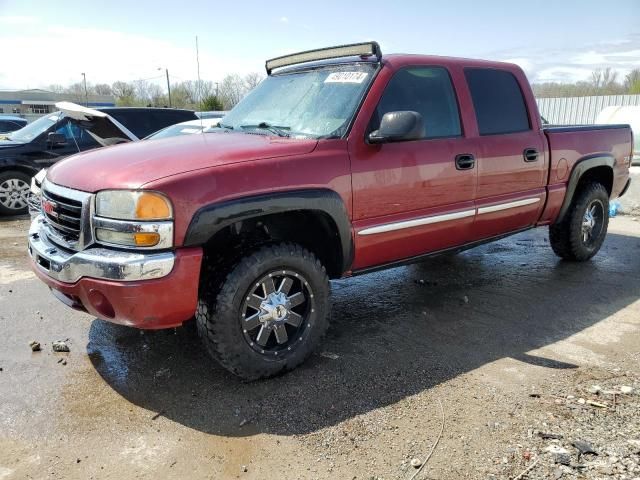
(6, 143)
(134, 164)
(105, 129)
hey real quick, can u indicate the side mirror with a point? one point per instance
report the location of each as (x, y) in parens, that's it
(56, 139)
(399, 127)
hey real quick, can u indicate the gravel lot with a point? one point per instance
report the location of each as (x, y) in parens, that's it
(506, 341)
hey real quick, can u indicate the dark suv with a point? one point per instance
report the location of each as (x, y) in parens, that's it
(71, 130)
(11, 123)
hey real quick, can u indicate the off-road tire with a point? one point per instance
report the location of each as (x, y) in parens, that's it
(220, 307)
(566, 237)
(14, 176)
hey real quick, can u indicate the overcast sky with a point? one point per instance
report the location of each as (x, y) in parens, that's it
(54, 42)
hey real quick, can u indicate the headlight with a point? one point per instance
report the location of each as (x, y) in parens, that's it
(133, 219)
(133, 205)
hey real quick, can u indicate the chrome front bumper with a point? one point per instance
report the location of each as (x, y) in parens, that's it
(100, 263)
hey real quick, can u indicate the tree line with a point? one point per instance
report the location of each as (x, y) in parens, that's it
(601, 82)
(224, 95)
(191, 94)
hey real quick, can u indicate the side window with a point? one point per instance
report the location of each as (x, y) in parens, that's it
(497, 100)
(426, 90)
(65, 128)
(76, 134)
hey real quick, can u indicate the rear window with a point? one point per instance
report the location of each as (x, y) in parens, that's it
(497, 100)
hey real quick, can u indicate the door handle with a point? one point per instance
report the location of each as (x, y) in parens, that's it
(465, 161)
(530, 155)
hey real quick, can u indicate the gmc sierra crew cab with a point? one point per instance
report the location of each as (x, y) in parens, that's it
(341, 162)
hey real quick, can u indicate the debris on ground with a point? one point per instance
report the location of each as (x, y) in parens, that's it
(556, 450)
(597, 404)
(584, 447)
(550, 436)
(580, 442)
(416, 462)
(60, 346)
(626, 389)
(594, 389)
(330, 355)
(35, 346)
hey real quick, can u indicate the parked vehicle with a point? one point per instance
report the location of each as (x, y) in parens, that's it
(628, 114)
(185, 128)
(9, 123)
(349, 163)
(70, 130)
(212, 114)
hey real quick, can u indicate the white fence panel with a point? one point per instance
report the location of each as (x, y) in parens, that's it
(581, 110)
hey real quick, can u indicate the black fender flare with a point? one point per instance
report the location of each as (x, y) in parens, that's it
(579, 169)
(210, 219)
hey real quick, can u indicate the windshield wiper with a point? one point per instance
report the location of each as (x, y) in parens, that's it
(228, 127)
(281, 131)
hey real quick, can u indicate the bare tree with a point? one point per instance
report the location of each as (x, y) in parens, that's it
(601, 82)
(605, 82)
(232, 89)
(102, 89)
(56, 88)
(632, 81)
(252, 80)
(124, 93)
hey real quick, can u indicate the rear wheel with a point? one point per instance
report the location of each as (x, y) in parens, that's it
(580, 234)
(267, 314)
(14, 192)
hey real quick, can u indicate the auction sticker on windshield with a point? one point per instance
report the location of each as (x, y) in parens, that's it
(346, 77)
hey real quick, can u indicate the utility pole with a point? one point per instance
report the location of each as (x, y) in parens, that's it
(217, 83)
(166, 70)
(86, 96)
(168, 86)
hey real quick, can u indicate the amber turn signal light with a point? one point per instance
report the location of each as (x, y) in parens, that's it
(151, 206)
(146, 239)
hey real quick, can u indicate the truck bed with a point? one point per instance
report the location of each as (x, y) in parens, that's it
(569, 143)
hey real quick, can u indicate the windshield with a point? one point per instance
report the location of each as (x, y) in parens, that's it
(313, 103)
(34, 129)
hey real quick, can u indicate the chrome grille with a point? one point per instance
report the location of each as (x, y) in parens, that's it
(63, 210)
(63, 214)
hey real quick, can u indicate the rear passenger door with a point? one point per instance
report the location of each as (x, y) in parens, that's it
(510, 154)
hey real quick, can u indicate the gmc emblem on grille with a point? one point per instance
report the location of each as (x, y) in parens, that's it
(49, 208)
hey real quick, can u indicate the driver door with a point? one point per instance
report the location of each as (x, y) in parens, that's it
(413, 197)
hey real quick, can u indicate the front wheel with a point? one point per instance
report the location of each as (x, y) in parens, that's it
(14, 192)
(269, 312)
(580, 234)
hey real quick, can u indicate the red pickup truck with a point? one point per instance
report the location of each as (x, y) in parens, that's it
(341, 162)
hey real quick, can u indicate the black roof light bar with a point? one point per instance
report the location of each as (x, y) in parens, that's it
(366, 49)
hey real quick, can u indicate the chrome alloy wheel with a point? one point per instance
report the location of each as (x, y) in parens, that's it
(592, 222)
(14, 193)
(276, 312)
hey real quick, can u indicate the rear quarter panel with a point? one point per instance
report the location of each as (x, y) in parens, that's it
(567, 146)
